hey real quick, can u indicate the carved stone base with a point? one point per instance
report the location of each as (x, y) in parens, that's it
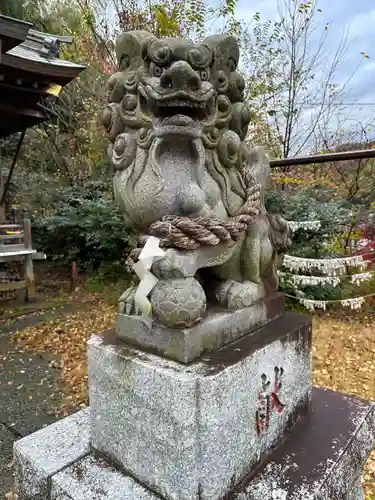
(218, 328)
(323, 459)
(192, 431)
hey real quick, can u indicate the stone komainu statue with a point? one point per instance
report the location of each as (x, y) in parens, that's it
(176, 120)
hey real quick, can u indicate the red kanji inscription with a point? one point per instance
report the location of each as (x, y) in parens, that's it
(269, 400)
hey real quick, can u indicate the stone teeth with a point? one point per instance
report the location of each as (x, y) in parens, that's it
(174, 104)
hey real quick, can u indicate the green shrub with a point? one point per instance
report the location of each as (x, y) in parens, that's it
(86, 228)
(318, 203)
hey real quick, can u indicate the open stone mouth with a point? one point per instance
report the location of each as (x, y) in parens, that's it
(165, 110)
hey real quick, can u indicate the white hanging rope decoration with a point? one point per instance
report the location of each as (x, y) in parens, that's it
(333, 268)
(311, 304)
(316, 224)
(298, 279)
(312, 225)
(328, 266)
(359, 278)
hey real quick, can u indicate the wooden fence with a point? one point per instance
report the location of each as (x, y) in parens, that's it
(16, 246)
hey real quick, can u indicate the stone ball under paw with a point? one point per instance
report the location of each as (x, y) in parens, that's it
(178, 303)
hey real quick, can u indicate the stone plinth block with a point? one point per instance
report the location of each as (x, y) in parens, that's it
(93, 478)
(322, 460)
(324, 457)
(44, 453)
(218, 328)
(192, 431)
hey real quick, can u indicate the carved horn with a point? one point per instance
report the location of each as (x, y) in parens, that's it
(226, 51)
(131, 47)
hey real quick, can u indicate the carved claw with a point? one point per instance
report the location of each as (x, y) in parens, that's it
(235, 295)
(127, 304)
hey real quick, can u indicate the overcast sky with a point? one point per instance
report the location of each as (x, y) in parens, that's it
(359, 17)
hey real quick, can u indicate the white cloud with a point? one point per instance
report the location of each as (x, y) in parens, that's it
(357, 18)
(370, 66)
(267, 8)
(362, 24)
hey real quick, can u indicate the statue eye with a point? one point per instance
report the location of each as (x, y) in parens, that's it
(157, 71)
(204, 75)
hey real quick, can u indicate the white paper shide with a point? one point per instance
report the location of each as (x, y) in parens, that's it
(151, 252)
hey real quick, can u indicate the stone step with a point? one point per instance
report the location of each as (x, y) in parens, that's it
(322, 460)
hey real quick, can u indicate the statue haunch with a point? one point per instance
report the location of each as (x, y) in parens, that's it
(176, 120)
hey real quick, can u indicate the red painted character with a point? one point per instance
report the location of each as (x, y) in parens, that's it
(268, 400)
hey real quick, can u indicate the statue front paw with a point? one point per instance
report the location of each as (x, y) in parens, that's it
(127, 303)
(236, 295)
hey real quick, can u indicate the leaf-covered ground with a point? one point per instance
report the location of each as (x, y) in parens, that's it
(344, 360)
(66, 337)
(343, 354)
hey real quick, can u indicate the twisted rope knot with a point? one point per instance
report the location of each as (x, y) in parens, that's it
(191, 233)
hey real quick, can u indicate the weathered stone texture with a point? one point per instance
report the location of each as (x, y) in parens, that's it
(325, 458)
(322, 460)
(185, 174)
(44, 453)
(216, 330)
(190, 431)
(93, 479)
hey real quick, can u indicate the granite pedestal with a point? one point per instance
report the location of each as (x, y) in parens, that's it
(190, 431)
(325, 456)
(322, 459)
(218, 328)
(234, 423)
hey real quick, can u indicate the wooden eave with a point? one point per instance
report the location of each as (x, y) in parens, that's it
(32, 60)
(29, 66)
(19, 65)
(12, 32)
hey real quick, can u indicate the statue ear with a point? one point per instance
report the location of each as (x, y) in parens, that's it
(226, 51)
(131, 47)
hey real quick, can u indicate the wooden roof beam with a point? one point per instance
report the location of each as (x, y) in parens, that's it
(12, 32)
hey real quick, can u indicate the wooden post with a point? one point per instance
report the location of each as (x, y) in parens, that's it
(27, 234)
(30, 295)
(74, 278)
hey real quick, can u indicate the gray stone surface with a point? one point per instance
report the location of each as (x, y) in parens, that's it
(322, 460)
(189, 431)
(216, 330)
(44, 453)
(92, 478)
(356, 492)
(325, 457)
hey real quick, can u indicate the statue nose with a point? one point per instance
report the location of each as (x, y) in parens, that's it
(180, 75)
